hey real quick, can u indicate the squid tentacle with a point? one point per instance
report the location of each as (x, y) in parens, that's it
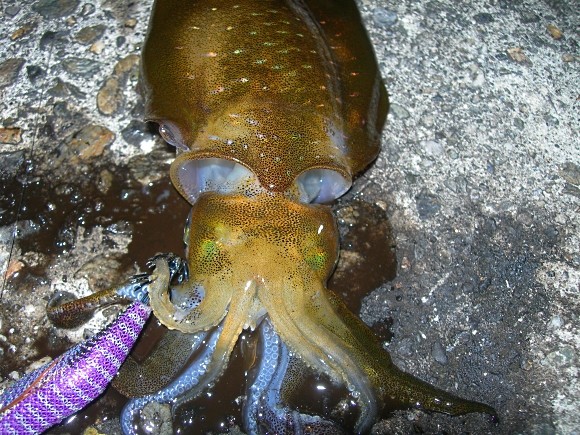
(264, 409)
(307, 334)
(235, 321)
(387, 378)
(207, 366)
(353, 352)
(170, 355)
(62, 387)
(187, 380)
(207, 314)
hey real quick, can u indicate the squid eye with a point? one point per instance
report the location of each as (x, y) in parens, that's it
(320, 185)
(170, 134)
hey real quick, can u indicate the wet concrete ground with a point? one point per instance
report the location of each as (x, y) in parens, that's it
(478, 178)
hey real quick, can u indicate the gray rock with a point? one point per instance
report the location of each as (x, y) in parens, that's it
(62, 89)
(398, 111)
(432, 148)
(438, 353)
(35, 73)
(428, 205)
(11, 10)
(9, 70)
(55, 8)
(483, 18)
(570, 172)
(81, 66)
(384, 17)
(88, 35)
(136, 132)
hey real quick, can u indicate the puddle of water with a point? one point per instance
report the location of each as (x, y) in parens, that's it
(155, 216)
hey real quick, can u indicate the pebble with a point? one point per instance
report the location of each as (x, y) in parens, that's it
(55, 8)
(567, 57)
(63, 89)
(399, 111)
(14, 268)
(97, 47)
(130, 23)
(105, 181)
(147, 168)
(91, 141)
(517, 55)
(52, 39)
(92, 431)
(87, 9)
(110, 97)
(483, 18)
(438, 353)
(428, 205)
(432, 147)
(554, 32)
(11, 163)
(88, 35)
(23, 31)
(570, 172)
(81, 66)
(9, 70)
(384, 17)
(12, 10)
(34, 73)
(128, 64)
(10, 135)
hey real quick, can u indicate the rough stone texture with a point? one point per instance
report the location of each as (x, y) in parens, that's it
(479, 171)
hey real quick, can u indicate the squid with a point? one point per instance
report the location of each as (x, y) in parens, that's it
(273, 107)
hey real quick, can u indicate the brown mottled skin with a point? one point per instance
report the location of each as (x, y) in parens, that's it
(265, 78)
(279, 89)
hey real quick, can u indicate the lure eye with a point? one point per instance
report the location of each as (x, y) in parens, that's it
(170, 134)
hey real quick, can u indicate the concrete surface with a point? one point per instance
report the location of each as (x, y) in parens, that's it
(480, 175)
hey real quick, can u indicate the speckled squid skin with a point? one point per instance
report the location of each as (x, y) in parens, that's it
(281, 88)
(274, 85)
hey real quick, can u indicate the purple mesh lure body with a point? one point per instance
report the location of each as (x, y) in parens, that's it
(61, 387)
